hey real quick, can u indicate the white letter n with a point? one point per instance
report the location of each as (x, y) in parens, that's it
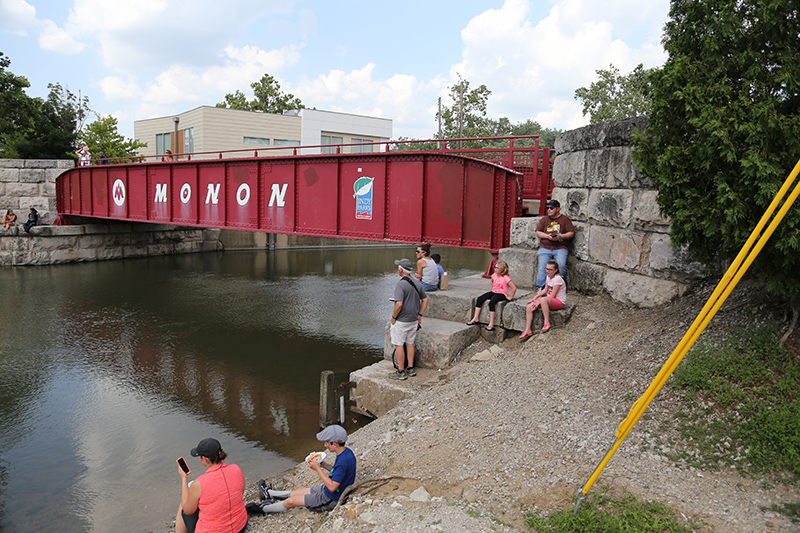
(213, 194)
(278, 194)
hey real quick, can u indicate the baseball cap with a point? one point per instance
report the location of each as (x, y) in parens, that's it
(207, 448)
(553, 203)
(332, 433)
(405, 263)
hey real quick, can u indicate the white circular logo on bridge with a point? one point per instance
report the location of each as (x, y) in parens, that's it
(118, 193)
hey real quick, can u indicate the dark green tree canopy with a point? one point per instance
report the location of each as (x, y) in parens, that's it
(724, 130)
(467, 116)
(268, 98)
(616, 97)
(16, 107)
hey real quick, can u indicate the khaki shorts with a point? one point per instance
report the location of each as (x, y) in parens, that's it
(403, 333)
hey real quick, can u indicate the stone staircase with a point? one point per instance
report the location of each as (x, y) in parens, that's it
(443, 336)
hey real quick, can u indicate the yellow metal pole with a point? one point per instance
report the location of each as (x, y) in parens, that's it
(743, 260)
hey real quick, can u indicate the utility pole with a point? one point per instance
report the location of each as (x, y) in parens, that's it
(440, 122)
(460, 113)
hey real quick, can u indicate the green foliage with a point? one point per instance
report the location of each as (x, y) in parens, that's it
(467, 116)
(53, 130)
(602, 514)
(756, 420)
(615, 97)
(16, 107)
(724, 130)
(102, 136)
(792, 510)
(268, 98)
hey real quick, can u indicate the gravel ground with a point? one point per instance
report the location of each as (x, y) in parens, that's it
(518, 429)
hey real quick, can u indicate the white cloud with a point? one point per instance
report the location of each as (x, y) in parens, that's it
(17, 16)
(55, 39)
(156, 34)
(534, 69)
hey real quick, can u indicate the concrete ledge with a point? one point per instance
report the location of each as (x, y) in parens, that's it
(375, 394)
(438, 343)
(514, 316)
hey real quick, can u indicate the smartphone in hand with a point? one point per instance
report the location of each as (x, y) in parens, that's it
(182, 464)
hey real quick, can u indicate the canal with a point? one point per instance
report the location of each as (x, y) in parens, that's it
(111, 370)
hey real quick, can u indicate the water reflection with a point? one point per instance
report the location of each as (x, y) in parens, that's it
(111, 370)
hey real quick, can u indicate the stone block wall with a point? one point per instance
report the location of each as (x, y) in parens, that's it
(621, 243)
(26, 183)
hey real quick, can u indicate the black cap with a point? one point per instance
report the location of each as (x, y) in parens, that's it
(553, 203)
(207, 448)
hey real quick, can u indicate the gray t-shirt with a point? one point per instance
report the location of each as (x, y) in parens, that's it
(410, 296)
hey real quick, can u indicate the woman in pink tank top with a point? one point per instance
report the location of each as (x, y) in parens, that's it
(214, 502)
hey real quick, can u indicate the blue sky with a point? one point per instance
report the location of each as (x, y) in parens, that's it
(147, 58)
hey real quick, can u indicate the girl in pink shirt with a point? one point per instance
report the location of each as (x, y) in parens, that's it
(501, 285)
(552, 296)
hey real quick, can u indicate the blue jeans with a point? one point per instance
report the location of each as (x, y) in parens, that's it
(546, 255)
(428, 288)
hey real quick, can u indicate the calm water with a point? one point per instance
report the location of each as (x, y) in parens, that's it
(111, 370)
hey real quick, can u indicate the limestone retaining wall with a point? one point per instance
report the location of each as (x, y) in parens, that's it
(622, 244)
(26, 183)
(47, 245)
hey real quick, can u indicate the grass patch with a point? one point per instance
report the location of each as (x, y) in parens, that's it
(792, 510)
(601, 514)
(744, 405)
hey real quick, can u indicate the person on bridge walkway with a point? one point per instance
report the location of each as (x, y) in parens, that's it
(320, 498)
(553, 296)
(219, 506)
(410, 304)
(554, 231)
(503, 289)
(427, 271)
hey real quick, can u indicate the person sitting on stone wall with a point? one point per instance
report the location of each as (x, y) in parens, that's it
(553, 296)
(553, 230)
(9, 219)
(33, 220)
(320, 498)
(427, 272)
(503, 289)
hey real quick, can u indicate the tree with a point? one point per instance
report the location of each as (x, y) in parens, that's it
(615, 97)
(467, 116)
(16, 108)
(53, 131)
(102, 136)
(268, 98)
(724, 130)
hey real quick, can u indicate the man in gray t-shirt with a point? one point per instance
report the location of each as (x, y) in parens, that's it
(410, 304)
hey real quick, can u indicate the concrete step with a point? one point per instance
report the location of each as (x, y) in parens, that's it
(375, 394)
(438, 343)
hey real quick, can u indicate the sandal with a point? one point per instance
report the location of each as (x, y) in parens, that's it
(525, 335)
(472, 323)
(489, 329)
(545, 328)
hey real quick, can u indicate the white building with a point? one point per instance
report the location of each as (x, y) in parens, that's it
(215, 129)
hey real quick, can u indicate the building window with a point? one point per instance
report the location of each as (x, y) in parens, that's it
(259, 141)
(330, 139)
(188, 140)
(285, 142)
(163, 143)
(365, 149)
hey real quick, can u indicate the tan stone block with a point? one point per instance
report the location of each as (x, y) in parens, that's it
(611, 206)
(647, 213)
(641, 291)
(569, 170)
(616, 248)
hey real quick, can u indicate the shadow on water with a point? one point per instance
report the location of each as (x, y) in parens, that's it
(111, 370)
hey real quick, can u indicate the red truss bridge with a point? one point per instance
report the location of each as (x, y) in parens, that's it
(448, 197)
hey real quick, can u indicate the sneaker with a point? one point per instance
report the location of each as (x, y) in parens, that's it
(410, 372)
(263, 490)
(398, 375)
(254, 508)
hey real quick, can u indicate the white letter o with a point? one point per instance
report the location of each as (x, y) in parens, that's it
(243, 201)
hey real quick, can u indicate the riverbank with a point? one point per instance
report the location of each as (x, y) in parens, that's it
(504, 432)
